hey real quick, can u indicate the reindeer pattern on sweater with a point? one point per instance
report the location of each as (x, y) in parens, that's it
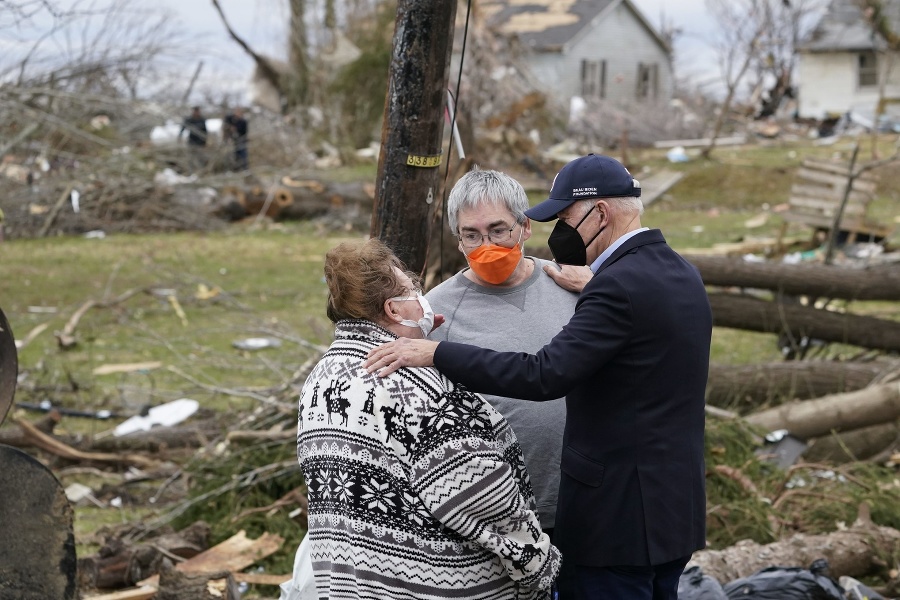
(417, 488)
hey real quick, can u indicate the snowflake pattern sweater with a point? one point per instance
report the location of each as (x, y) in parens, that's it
(417, 488)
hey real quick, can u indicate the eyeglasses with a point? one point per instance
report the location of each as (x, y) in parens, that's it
(497, 236)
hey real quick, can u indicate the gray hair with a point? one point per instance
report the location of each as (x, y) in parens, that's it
(629, 203)
(486, 187)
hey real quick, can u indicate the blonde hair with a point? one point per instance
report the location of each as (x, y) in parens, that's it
(360, 277)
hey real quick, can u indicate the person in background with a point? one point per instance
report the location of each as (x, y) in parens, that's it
(503, 301)
(633, 363)
(236, 131)
(417, 488)
(195, 125)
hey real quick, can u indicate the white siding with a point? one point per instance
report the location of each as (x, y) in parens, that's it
(622, 41)
(828, 84)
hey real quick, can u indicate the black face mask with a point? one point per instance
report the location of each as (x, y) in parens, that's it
(566, 244)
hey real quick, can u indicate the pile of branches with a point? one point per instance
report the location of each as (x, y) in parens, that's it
(115, 205)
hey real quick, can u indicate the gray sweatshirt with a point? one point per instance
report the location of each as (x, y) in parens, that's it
(518, 319)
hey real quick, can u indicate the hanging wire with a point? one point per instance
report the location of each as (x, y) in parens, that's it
(455, 99)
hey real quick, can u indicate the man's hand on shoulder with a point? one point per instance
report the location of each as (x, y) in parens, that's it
(402, 352)
(569, 277)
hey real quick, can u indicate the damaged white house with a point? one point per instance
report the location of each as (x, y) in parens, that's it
(595, 49)
(843, 64)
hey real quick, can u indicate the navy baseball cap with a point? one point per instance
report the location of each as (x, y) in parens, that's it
(591, 176)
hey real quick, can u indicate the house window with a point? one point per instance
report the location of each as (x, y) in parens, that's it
(593, 78)
(868, 69)
(647, 81)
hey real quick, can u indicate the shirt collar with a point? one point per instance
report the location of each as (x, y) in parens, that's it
(595, 266)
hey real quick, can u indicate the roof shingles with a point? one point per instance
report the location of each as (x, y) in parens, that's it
(542, 24)
(843, 28)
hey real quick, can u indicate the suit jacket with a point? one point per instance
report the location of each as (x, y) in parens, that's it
(633, 363)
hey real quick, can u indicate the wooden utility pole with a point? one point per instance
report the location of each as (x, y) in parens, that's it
(408, 167)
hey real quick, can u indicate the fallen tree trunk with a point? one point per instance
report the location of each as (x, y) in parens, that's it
(854, 552)
(816, 280)
(742, 312)
(838, 412)
(851, 446)
(743, 387)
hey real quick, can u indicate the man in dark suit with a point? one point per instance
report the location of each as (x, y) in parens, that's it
(633, 363)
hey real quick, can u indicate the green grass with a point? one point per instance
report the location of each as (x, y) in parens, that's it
(267, 281)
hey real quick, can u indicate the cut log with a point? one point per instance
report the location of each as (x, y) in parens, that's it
(838, 412)
(747, 387)
(853, 552)
(142, 593)
(742, 312)
(850, 446)
(118, 564)
(815, 280)
(297, 199)
(178, 585)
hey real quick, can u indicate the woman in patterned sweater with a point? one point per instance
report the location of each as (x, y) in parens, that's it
(417, 487)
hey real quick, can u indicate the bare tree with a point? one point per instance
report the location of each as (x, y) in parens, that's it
(774, 64)
(65, 63)
(741, 27)
(756, 36)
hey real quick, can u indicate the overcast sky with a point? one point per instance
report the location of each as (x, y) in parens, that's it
(262, 23)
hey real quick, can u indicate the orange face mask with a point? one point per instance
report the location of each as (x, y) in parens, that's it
(494, 263)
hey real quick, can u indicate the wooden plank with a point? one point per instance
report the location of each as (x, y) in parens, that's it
(657, 184)
(858, 226)
(830, 193)
(820, 220)
(838, 168)
(234, 554)
(142, 593)
(826, 207)
(260, 578)
(734, 140)
(838, 181)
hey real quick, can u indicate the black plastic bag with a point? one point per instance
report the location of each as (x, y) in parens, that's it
(694, 585)
(786, 583)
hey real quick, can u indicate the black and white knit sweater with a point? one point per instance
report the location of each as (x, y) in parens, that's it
(417, 488)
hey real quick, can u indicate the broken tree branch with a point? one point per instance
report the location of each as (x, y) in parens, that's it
(51, 216)
(837, 412)
(265, 67)
(66, 337)
(50, 444)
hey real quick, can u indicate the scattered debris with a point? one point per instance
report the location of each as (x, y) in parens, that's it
(164, 415)
(256, 343)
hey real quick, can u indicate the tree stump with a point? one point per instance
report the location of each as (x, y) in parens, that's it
(177, 585)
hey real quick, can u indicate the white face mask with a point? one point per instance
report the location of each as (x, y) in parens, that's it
(426, 323)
